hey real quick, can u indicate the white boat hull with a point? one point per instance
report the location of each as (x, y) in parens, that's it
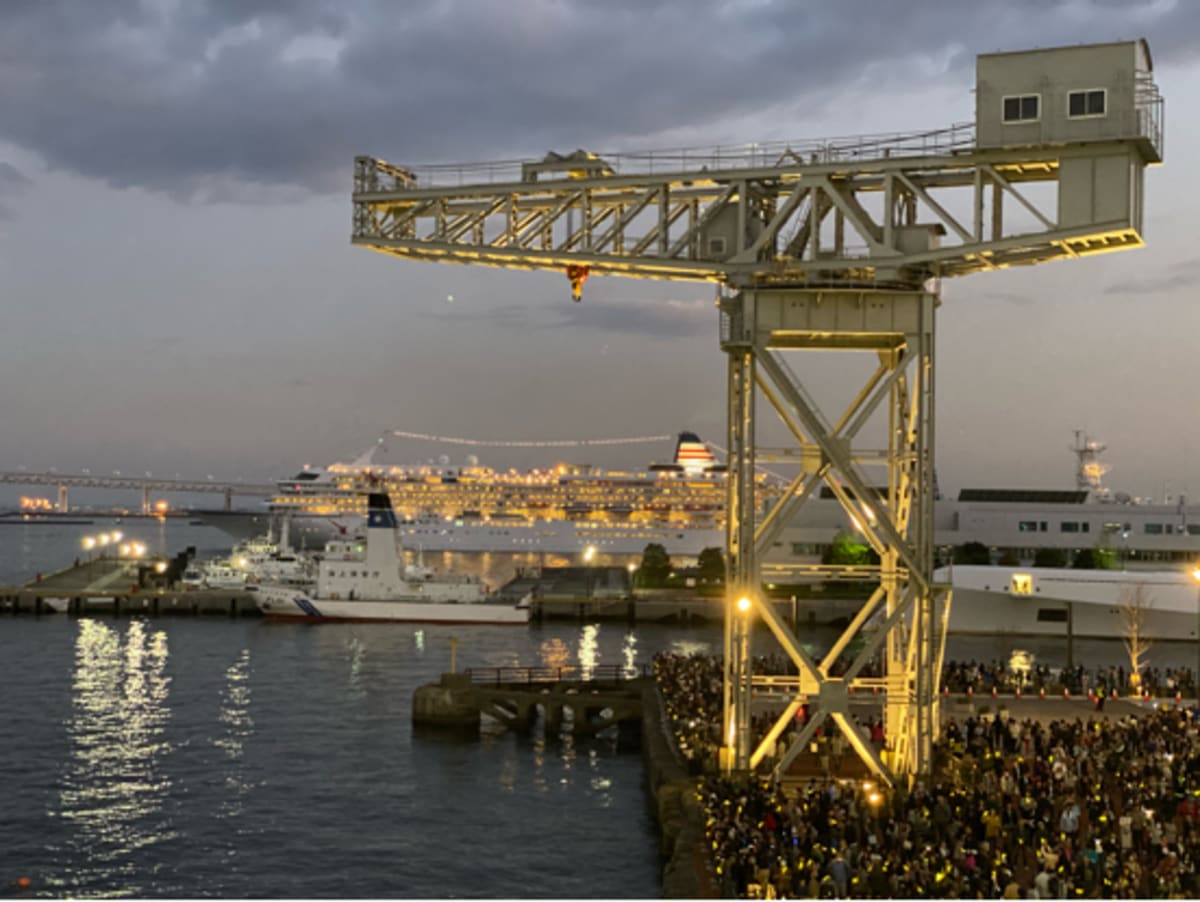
(288, 604)
(1088, 602)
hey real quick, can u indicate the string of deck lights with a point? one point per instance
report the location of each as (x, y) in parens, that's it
(503, 443)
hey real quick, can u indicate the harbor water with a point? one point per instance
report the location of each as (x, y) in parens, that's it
(194, 757)
(191, 757)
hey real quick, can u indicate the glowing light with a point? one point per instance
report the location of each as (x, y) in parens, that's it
(743, 604)
(564, 443)
(89, 542)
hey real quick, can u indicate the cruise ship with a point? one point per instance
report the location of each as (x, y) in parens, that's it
(569, 508)
(565, 509)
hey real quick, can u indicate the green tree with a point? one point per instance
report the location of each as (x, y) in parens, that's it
(711, 564)
(846, 549)
(972, 553)
(1095, 559)
(1050, 557)
(656, 566)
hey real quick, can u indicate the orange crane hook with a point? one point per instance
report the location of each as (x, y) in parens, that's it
(578, 275)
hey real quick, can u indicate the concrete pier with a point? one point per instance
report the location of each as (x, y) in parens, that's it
(110, 587)
(564, 699)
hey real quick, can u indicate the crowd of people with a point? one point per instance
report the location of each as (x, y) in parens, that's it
(981, 677)
(1102, 807)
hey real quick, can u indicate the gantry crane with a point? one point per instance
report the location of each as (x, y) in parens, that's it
(834, 246)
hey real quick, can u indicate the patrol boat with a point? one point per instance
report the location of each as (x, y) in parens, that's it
(378, 586)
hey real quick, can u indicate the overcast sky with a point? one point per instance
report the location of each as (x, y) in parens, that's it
(180, 293)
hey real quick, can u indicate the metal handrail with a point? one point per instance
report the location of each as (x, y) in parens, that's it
(933, 142)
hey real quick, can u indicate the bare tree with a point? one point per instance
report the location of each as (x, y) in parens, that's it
(1134, 607)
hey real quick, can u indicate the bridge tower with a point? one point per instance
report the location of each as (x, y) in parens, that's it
(822, 246)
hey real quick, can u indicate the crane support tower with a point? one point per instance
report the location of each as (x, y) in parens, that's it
(835, 246)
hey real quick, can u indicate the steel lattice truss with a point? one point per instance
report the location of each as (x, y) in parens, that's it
(793, 221)
(834, 246)
(909, 612)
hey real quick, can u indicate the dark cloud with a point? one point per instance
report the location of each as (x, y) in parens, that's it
(211, 98)
(12, 180)
(11, 177)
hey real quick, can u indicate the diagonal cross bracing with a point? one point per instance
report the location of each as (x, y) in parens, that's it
(764, 326)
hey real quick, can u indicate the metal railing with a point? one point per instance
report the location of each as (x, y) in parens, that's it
(956, 138)
(508, 676)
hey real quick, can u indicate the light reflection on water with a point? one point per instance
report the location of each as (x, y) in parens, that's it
(279, 760)
(238, 726)
(589, 650)
(113, 788)
(629, 651)
(555, 653)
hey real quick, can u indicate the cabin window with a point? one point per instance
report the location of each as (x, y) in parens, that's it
(1069, 526)
(1023, 108)
(1193, 529)
(1022, 584)
(1027, 526)
(1153, 529)
(1082, 104)
(1052, 615)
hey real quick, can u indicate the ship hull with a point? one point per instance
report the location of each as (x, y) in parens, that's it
(300, 606)
(1085, 604)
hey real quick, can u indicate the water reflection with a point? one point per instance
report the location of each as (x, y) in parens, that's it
(589, 650)
(554, 653)
(239, 726)
(113, 789)
(357, 651)
(629, 655)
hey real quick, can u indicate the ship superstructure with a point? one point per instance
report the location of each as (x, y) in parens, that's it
(688, 493)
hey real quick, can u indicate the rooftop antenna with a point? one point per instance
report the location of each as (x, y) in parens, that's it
(1089, 472)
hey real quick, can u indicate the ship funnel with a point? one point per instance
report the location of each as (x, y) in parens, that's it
(692, 454)
(379, 511)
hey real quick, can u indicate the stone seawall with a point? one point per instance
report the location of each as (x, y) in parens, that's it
(686, 870)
